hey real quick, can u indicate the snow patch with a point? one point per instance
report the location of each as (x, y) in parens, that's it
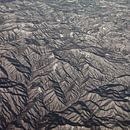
(61, 35)
(55, 66)
(71, 34)
(39, 89)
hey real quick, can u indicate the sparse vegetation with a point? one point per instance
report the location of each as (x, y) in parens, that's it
(64, 62)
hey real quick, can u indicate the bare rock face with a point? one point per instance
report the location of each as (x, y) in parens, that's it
(64, 64)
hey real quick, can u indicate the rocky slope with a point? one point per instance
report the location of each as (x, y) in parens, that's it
(64, 62)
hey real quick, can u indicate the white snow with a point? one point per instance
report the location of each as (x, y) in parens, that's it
(39, 89)
(71, 34)
(61, 35)
(55, 66)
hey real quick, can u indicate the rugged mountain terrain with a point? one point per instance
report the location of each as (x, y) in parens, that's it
(64, 62)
